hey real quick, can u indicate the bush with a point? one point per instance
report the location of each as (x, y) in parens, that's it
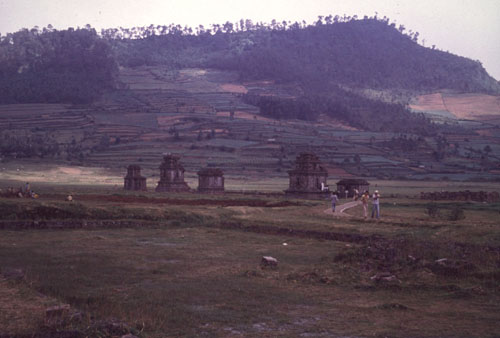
(432, 210)
(456, 214)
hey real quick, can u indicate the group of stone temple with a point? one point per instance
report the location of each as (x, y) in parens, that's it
(210, 180)
(308, 179)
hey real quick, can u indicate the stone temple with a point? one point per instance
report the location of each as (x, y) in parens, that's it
(211, 180)
(350, 185)
(308, 178)
(133, 180)
(171, 175)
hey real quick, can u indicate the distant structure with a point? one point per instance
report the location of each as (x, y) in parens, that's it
(351, 184)
(211, 180)
(308, 178)
(171, 175)
(133, 180)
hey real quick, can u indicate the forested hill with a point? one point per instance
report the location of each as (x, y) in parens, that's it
(364, 53)
(70, 66)
(368, 53)
(77, 65)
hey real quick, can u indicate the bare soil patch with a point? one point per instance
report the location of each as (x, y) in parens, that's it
(245, 116)
(70, 170)
(234, 88)
(428, 102)
(462, 106)
(470, 106)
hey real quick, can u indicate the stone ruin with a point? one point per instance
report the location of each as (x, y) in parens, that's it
(308, 178)
(478, 196)
(350, 185)
(133, 180)
(171, 175)
(211, 180)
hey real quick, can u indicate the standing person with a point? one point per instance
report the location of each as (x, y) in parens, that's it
(334, 200)
(364, 199)
(376, 204)
(346, 193)
(355, 195)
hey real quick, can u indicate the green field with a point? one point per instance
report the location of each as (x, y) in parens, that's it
(189, 113)
(159, 265)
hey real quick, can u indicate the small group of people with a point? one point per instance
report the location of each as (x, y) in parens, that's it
(21, 192)
(365, 198)
(375, 204)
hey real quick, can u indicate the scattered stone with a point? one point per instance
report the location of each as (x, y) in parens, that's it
(77, 317)
(452, 267)
(252, 273)
(392, 306)
(385, 276)
(109, 328)
(13, 273)
(269, 262)
(57, 312)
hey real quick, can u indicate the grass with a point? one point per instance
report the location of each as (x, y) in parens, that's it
(193, 269)
(195, 281)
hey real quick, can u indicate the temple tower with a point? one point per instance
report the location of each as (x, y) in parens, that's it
(308, 178)
(133, 180)
(171, 175)
(211, 180)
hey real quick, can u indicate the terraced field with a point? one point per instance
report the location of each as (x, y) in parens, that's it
(458, 106)
(200, 115)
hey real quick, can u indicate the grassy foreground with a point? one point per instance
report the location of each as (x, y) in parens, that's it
(181, 267)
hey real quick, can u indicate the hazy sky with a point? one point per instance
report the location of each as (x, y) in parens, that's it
(468, 28)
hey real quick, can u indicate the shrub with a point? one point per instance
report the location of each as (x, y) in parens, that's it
(432, 210)
(456, 214)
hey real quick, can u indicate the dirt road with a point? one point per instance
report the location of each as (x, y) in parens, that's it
(339, 210)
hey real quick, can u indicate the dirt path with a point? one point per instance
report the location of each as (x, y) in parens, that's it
(341, 208)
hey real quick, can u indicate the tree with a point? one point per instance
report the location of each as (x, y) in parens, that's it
(73, 66)
(487, 149)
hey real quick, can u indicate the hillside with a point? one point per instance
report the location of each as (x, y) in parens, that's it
(334, 54)
(368, 53)
(248, 99)
(202, 115)
(50, 66)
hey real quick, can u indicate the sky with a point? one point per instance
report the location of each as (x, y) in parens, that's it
(469, 28)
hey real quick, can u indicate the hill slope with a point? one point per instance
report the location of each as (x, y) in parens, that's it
(201, 114)
(367, 53)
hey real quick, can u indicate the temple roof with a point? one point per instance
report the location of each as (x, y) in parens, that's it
(210, 172)
(353, 181)
(308, 163)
